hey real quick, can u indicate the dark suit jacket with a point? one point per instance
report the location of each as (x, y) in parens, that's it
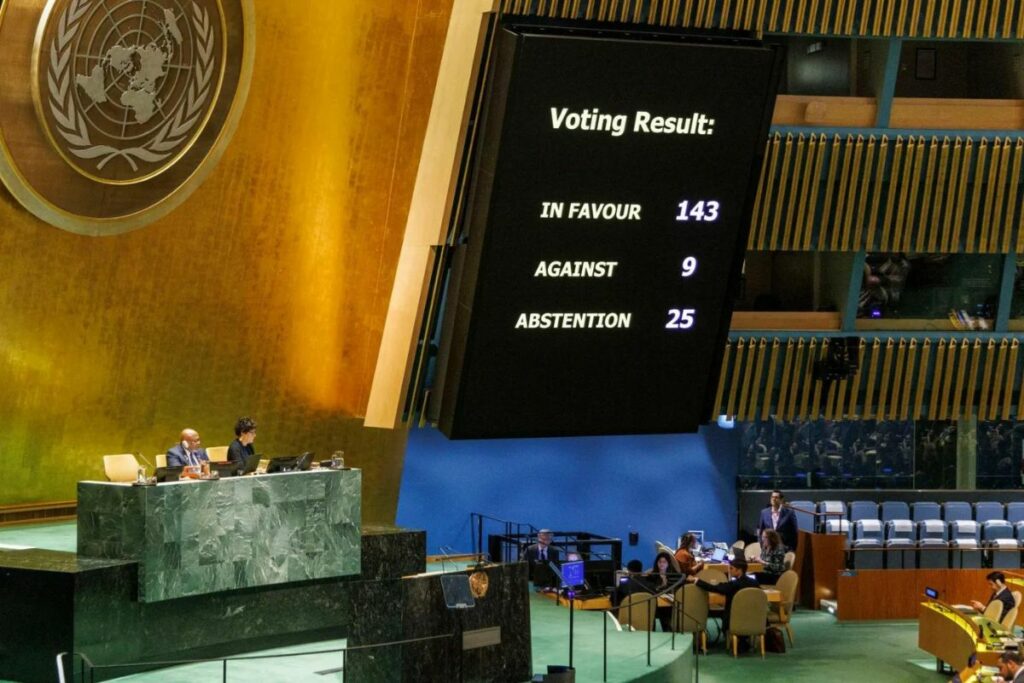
(1006, 597)
(729, 589)
(787, 527)
(532, 554)
(238, 453)
(176, 456)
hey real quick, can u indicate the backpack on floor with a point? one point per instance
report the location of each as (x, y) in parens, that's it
(774, 641)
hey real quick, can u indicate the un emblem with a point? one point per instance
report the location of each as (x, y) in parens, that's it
(136, 96)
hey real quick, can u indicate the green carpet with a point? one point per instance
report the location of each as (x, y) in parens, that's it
(825, 649)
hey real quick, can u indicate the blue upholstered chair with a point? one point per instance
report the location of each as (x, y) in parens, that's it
(804, 510)
(900, 544)
(867, 544)
(894, 509)
(863, 509)
(925, 510)
(956, 510)
(964, 544)
(1015, 512)
(932, 544)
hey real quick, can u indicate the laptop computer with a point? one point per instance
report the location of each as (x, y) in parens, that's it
(719, 555)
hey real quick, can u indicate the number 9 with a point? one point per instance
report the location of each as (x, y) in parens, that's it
(689, 266)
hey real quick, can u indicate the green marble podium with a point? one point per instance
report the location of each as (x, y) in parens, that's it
(198, 537)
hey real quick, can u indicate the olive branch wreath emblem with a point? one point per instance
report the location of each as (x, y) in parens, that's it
(72, 124)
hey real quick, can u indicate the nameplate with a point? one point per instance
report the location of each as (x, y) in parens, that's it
(481, 637)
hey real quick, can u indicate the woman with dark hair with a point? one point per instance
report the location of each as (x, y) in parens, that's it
(241, 448)
(684, 556)
(658, 579)
(773, 556)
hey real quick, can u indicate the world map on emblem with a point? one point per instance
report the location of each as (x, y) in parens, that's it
(127, 84)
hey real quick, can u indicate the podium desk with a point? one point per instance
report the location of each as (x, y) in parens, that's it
(953, 636)
(198, 537)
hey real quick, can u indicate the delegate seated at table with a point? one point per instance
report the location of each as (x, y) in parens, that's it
(684, 556)
(241, 448)
(658, 579)
(773, 557)
(738, 580)
(188, 451)
(997, 582)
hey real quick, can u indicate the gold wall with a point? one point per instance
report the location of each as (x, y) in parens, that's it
(264, 294)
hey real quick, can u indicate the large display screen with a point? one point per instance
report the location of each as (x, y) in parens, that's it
(608, 212)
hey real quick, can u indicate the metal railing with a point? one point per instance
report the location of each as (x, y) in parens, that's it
(86, 671)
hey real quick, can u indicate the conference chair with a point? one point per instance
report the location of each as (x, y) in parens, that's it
(692, 614)
(804, 510)
(867, 544)
(925, 510)
(956, 510)
(1004, 553)
(989, 510)
(832, 510)
(966, 551)
(789, 558)
(863, 509)
(217, 453)
(1011, 616)
(900, 544)
(737, 548)
(121, 468)
(993, 610)
(160, 459)
(712, 574)
(748, 617)
(838, 526)
(778, 614)
(636, 611)
(932, 542)
(894, 509)
(1015, 512)
(752, 552)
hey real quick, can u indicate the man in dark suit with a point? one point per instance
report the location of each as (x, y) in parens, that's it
(1000, 593)
(780, 517)
(738, 580)
(188, 451)
(538, 555)
(542, 550)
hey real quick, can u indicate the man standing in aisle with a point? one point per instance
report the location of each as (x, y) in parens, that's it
(780, 517)
(188, 451)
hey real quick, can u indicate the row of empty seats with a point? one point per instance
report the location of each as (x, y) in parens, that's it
(895, 534)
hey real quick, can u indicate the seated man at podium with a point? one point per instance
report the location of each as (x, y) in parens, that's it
(188, 451)
(542, 550)
(538, 555)
(997, 582)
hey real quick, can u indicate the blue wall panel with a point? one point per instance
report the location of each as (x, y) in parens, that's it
(657, 485)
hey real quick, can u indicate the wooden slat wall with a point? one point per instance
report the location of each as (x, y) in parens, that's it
(949, 195)
(981, 19)
(898, 378)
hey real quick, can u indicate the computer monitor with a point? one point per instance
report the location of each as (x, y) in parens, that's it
(167, 474)
(290, 463)
(572, 574)
(931, 593)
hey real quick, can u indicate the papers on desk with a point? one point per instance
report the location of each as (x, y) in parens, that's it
(966, 609)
